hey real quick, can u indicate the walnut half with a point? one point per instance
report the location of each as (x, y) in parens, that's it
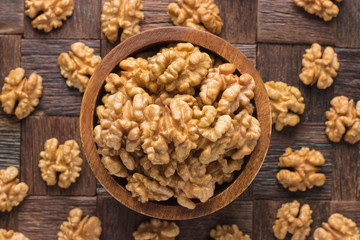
(324, 9)
(156, 230)
(227, 232)
(11, 235)
(12, 193)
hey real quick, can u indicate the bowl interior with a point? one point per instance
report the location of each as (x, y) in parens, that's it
(154, 40)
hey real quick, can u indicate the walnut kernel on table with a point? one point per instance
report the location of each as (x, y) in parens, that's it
(227, 232)
(75, 228)
(325, 9)
(343, 117)
(11, 235)
(317, 69)
(63, 159)
(125, 14)
(26, 91)
(156, 230)
(12, 193)
(337, 228)
(48, 14)
(293, 219)
(305, 174)
(168, 142)
(197, 14)
(78, 65)
(284, 98)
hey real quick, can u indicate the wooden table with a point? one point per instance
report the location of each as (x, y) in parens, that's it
(272, 33)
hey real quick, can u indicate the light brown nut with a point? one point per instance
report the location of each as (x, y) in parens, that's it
(78, 66)
(63, 159)
(11, 235)
(48, 14)
(337, 228)
(324, 9)
(317, 69)
(284, 98)
(197, 14)
(305, 174)
(227, 232)
(18, 88)
(75, 228)
(290, 219)
(156, 230)
(12, 193)
(125, 14)
(343, 117)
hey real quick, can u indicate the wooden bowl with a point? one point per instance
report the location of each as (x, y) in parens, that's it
(94, 91)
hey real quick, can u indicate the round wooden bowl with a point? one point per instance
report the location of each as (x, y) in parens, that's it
(161, 37)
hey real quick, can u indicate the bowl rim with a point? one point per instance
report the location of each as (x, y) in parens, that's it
(164, 36)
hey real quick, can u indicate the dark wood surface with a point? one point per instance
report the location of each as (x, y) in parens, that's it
(274, 34)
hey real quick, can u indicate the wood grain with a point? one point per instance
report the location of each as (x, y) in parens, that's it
(83, 24)
(281, 21)
(11, 16)
(40, 55)
(9, 142)
(35, 131)
(348, 22)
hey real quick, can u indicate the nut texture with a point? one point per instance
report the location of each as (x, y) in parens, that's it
(197, 14)
(18, 88)
(12, 193)
(324, 9)
(125, 14)
(227, 232)
(63, 159)
(11, 235)
(282, 99)
(317, 69)
(77, 66)
(156, 230)
(75, 228)
(343, 114)
(53, 13)
(337, 228)
(168, 142)
(304, 163)
(288, 221)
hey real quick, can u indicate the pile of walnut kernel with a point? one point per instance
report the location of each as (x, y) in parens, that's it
(174, 125)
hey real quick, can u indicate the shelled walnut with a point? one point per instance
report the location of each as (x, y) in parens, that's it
(48, 14)
(304, 163)
(75, 228)
(18, 88)
(155, 131)
(343, 117)
(317, 69)
(156, 230)
(289, 221)
(12, 193)
(282, 99)
(337, 228)
(197, 14)
(324, 9)
(63, 159)
(11, 235)
(78, 66)
(227, 232)
(125, 14)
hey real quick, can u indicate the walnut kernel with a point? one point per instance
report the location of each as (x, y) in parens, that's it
(11, 235)
(324, 9)
(227, 232)
(156, 230)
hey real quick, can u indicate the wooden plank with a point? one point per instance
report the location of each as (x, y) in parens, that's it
(281, 21)
(348, 21)
(286, 66)
(265, 216)
(120, 222)
(348, 80)
(83, 24)
(309, 135)
(41, 217)
(9, 142)
(41, 56)
(35, 131)
(349, 209)
(11, 16)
